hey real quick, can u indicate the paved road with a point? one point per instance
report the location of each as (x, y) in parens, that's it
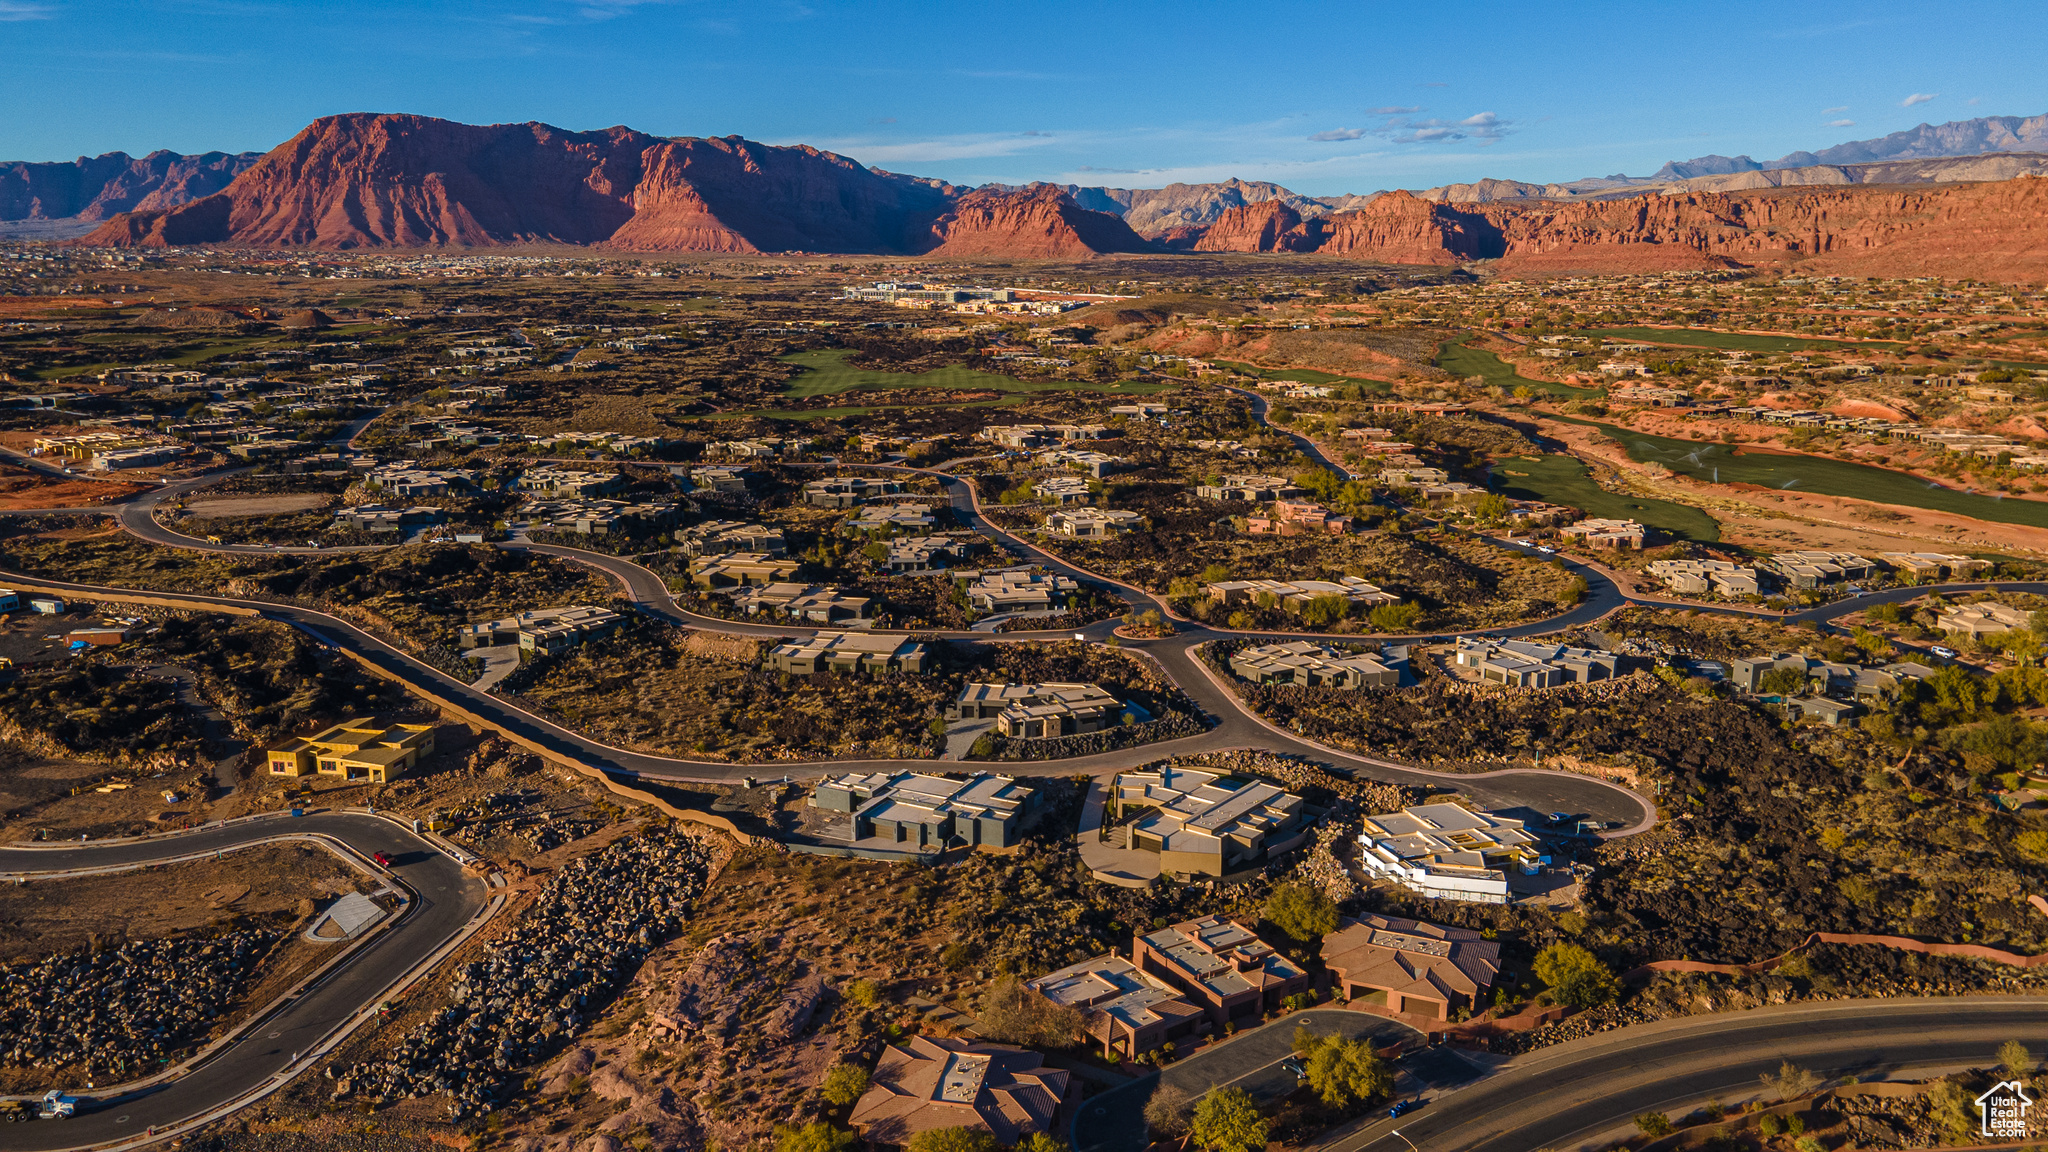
(1575, 1094)
(444, 901)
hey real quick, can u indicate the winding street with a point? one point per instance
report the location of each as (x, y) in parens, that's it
(444, 900)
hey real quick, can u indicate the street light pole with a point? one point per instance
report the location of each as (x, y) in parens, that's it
(1410, 1143)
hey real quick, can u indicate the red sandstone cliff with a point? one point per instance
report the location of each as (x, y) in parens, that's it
(1041, 223)
(1268, 226)
(97, 187)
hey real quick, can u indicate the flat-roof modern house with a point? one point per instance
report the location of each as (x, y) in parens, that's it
(570, 482)
(911, 808)
(1205, 823)
(913, 554)
(899, 517)
(739, 569)
(1251, 489)
(1311, 665)
(1037, 711)
(1521, 664)
(1294, 595)
(1222, 967)
(1296, 518)
(720, 537)
(848, 491)
(1017, 589)
(1811, 569)
(1985, 619)
(814, 602)
(363, 749)
(542, 630)
(1606, 533)
(1093, 523)
(1936, 565)
(1127, 1009)
(926, 1083)
(846, 652)
(1411, 966)
(1446, 851)
(1701, 577)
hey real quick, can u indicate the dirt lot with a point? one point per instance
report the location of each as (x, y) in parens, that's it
(24, 488)
(257, 505)
(46, 916)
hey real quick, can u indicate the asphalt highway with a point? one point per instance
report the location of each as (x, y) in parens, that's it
(444, 900)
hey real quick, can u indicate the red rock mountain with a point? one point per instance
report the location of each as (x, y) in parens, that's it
(97, 187)
(1992, 230)
(380, 181)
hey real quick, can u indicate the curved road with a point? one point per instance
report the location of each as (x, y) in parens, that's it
(445, 899)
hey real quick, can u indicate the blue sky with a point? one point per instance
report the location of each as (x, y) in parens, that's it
(1325, 98)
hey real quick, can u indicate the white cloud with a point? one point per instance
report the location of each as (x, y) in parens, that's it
(967, 147)
(1839, 124)
(16, 10)
(1918, 98)
(1393, 111)
(1338, 134)
(1483, 127)
(1832, 111)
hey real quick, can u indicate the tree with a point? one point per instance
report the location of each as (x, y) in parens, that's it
(1654, 1124)
(1343, 1071)
(1395, 617)
(1575, 976)
(2016, 1061)
(1228, 1120)
(815, 1137)
(844, 1084)
(1167, 1112)
(1304, 913)
(1782, 682)
(864, 993)
(953, 1140)
(1791, 1082)
(1015, 1014)
(1041, 1142)
(1951, 1108)
(1323, 611)
(1491, 508)
(1321, 483)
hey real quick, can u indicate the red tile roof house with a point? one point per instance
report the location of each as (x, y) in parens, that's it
(1222, 967)
(1409, 966)
(928, 1083)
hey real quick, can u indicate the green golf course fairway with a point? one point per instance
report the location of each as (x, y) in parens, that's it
(826, 373)
(1461, 361)
(1739, 341)
(1305, 375)
(1566, 480)
(1719, 464)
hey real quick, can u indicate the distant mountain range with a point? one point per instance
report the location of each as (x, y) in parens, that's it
(369, 181)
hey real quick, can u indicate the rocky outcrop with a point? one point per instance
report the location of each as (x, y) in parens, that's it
(1035, 223)
(1269, 226)
(99, 187)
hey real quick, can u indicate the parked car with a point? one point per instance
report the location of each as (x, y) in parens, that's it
(1944, 653)
(1401, 1106)
(382, 859)
(1545, 549)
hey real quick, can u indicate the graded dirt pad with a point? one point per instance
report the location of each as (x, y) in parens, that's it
(257, 505)
(47, 916)
(26, 488)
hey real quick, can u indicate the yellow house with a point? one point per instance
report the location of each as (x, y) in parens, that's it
(360, 749)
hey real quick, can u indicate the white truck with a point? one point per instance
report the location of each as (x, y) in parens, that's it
(57, 1106)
